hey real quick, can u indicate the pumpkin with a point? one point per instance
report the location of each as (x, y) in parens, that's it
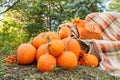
(73, 46)
(84, 28)
(67, 60)
(26, 54)
(91, 60)
(79, 22)
(46, 62)
(37, 41)
(63, 32)
(52, 35)
(56, 47)
(41, 50)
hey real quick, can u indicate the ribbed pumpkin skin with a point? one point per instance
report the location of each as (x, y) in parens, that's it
(41, 50)
(46, 63)
(91, 60)
(63, 32)
(26, 53)
(67, 60)
(52, 35)
(56, 47)
(37, 41)
(73, 46)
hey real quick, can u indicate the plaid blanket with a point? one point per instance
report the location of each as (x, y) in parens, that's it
(108, 49)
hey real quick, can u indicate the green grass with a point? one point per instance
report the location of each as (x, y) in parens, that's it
(30, 72)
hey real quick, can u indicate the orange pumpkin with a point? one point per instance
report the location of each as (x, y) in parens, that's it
(73, 46)
(52, 35)
(26, 53)
(46, 63)
(56, 47)
(79, 23)
(67, 60)
(37, 41)
(91, 60)
(41, 50)
(84, 31)
(63, 32)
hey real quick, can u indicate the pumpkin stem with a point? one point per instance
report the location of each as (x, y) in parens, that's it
(47, 49)
(69, 39)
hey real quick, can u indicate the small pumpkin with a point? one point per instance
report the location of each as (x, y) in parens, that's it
(91, 60)
(41, 50)
(37, 41)
(67, 60)
(46, 63)
(56, 47)
(63, 32)
(52, 35)
(26, 54)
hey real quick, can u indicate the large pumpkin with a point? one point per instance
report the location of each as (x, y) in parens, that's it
(26, 53)
(41, 50)
(73, 46)
(84, 28)
(67, 60)
(56, 47)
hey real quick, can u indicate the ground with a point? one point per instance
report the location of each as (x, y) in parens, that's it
(30, 72)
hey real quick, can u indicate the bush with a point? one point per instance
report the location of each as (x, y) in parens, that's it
(11, 35)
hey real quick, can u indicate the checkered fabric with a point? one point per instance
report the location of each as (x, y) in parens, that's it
(109, 48)
(109, 24)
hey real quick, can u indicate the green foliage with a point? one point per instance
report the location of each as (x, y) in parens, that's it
(49, 14)
(11, 35)
(114, 5)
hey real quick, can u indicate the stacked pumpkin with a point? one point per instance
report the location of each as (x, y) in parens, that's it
(50, 50)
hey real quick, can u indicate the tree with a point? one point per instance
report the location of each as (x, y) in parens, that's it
(114, 5)
(6, 5)
(11, 33)
(42, 14)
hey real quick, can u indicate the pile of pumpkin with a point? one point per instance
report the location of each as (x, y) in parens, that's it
(50, 50)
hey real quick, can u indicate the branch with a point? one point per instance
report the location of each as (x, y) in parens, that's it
(10, 7)
(3, 3)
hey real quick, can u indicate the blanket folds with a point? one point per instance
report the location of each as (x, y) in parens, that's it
(105, 25)
(109, 48)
